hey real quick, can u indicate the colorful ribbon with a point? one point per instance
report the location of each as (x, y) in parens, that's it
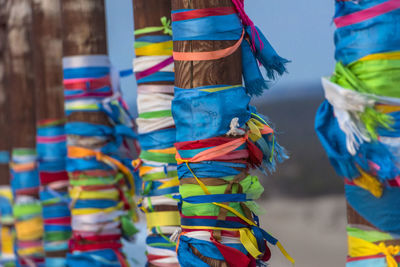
(358, 125)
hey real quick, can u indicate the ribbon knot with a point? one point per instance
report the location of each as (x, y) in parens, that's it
(166, 24)
(389, 252)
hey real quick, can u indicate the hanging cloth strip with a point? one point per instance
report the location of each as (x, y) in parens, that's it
(358, 125)
(102, 187)
(156, 128)
(220, 141)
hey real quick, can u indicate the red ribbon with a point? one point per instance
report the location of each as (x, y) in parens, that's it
(200, 13)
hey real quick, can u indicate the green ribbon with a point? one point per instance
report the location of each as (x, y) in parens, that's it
(165, 28)
(374, 77)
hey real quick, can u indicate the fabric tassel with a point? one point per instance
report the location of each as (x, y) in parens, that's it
(254, 81)
(266, 55)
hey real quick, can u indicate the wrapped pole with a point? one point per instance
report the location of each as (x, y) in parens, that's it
(358, 127)
(220, 137)
(7, 256)
(24, 174)
(153, 67)
(101, 187)
(51, 139)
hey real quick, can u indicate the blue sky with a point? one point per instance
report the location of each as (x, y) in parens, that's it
(301, 31)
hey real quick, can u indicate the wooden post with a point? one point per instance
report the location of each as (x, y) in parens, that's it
(48, 59)
(47, 43)
(192, 74)
(84, 36)
(147, 13)
(4, 129)
(20, 79)
(84, 29)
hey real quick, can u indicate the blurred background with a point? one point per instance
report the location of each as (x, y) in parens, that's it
(303, 201)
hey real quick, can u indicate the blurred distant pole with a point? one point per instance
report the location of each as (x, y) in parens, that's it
(360, 136)
(4, 129)
(190, 74)
(49, 97)
(84, 33)
(48, 59)
(22, 126)
(20, 79)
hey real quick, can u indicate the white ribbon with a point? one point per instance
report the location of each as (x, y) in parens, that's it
(153, 102)
(83, 61)
(154, 124)
(347, 105)
(98, 217)
(147, 62)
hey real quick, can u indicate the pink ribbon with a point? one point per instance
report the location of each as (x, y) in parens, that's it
(366, 14)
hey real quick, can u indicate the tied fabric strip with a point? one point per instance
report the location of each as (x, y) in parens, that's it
(222, 24)
(156, 164)
(51, 147)
(358, 126)
(27, 209)
(220, 137)
(101, 192)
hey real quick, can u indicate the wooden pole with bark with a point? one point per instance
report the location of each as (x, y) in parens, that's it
(20, 79)
(48, 59)
(84, 33)
(4, 129)
(98, 170)
(148, 13)
(49, 97)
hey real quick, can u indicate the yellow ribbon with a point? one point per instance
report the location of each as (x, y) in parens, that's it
(30, 251)
(255, 127)
(156, 49)
(88, 211)
(171, 183)
(361, 248)
(163, 218)
(78, 193)
(387, 108)
(7, 245)
(31, 229)
(390, 55)
(246, 236)
(171, 150)
(6, 193)
(369, 183)
(80, 152)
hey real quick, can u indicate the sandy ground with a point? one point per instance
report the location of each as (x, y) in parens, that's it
(311, 230)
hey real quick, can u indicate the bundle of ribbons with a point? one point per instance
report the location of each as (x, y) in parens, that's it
(52, 151)
(359, 126)
(220, 138)
(7, 256)
(101, 186)
(27, 209)
(154, 71)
